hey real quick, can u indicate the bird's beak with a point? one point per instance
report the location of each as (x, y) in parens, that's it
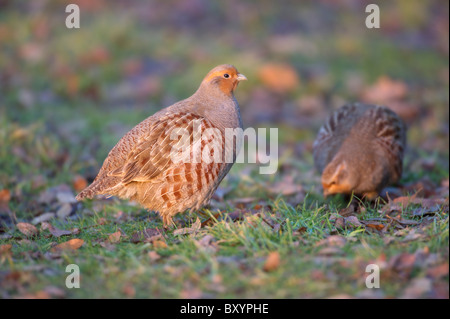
(241, 77)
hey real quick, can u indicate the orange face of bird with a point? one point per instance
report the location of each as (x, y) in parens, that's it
(337, 180)
(226, 77)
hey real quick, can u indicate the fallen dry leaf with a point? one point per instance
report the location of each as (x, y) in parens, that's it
(27, 229)
(159, 244)
(373, 225)
(114, 237)
(79, 183)
(272, 261)
(153, 255)
(385, 90)
(72, 244)
(147, 235)
(55, 231)
(286, 80)
(352, 222)
(5, 196)
(189, 230)
(437, 272)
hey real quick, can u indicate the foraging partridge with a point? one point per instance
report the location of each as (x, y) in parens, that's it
(360, 150)
(154, 164)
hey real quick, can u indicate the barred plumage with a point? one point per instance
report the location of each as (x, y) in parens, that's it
(160, 162)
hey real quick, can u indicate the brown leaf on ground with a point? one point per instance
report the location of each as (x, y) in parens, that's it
(189, 230)
(55, 231)
(374, 225)
(425, 202)
(384, 90)
(27, 229)
(286, 78)
(147, 235)
(79, 183)
(159, 244)
(351, 210)
(272, 261)
(114, 237)
(211, 220)
(437, 272)
(5, 196)
(72, 244)
(352, 222)
(153, 255)
(37, 295)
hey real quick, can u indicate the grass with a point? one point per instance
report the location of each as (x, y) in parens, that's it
(232, 266)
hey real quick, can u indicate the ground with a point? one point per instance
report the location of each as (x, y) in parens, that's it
(67, 96)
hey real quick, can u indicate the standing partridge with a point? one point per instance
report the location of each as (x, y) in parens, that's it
(148, 166)
(360, 150)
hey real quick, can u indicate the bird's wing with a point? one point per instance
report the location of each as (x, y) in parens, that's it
(391, 137)
(166, 141)
(326, 143)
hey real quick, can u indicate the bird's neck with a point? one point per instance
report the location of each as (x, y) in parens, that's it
(221, 109)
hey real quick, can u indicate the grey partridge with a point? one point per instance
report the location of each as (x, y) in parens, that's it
(156, 167)
(360, 150)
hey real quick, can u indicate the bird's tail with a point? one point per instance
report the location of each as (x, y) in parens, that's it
(98, 187)
(88, 192)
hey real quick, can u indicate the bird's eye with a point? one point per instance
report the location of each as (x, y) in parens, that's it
(226, 75)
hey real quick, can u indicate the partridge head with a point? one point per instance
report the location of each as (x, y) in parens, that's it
(146, 166)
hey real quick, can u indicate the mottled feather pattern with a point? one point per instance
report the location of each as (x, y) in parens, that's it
(148, 166)
(179, 184)
(391, 137)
